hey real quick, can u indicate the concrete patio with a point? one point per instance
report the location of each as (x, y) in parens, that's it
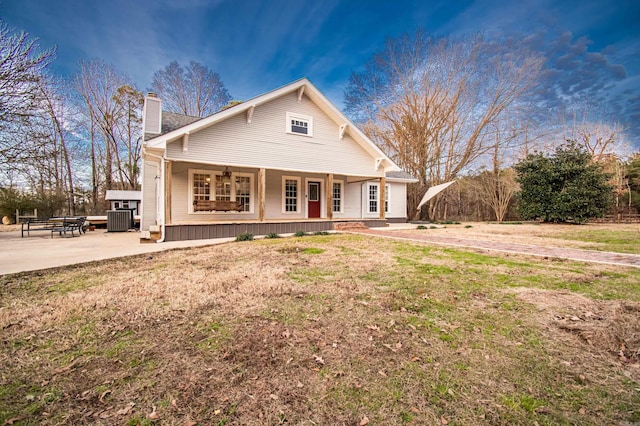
(40, 251)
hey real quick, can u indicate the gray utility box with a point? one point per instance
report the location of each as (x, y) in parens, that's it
(118, 220)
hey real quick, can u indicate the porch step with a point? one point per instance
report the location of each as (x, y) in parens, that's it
(349, 226)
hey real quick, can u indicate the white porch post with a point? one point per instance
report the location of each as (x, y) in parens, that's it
(382, 195)
(329, 198)
(167, 193)
(262, 186)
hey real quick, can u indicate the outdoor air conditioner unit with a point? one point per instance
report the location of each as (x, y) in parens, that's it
(118, 220)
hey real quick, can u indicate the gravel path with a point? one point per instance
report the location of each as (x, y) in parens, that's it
(581, 255)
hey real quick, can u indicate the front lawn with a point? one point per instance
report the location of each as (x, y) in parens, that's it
(336, 329)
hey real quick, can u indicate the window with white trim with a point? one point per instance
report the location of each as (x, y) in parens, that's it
(372, 197)
(387, 190)
(243, 191)
(290, 194)
(237, 187)
(337, 197)
(201, 186)
(299, 124)
(223, 187)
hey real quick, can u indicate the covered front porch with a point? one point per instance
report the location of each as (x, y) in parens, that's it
(262, 201)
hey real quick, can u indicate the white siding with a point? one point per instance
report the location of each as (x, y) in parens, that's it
(150, 169)
(397, 196)
(353, 200)
(397, 200)
(266, 143)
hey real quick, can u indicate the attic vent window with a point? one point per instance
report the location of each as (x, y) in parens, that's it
(299, 124)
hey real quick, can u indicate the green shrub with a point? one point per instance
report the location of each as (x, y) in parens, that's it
(468, 226)
(245, 237)
(299, 234)
(272, 235)
(421, 227)
(321, 233)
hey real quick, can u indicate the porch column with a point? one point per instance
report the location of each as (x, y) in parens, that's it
(262, 186)
(167, 193)
(383, 191)
(330, 196)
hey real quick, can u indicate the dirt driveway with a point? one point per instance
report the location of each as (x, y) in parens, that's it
(533, 240)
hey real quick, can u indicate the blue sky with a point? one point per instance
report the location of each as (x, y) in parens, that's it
(257, 46)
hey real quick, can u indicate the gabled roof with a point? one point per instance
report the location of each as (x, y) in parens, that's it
(304, 85)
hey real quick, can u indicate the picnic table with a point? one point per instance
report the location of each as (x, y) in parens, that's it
(61, 225)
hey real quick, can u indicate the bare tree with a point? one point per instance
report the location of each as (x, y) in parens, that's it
(113, 109)
(128, 128)
(598, 139)
(21, 68)
(430, 102)
(194, 90)
(54, 106)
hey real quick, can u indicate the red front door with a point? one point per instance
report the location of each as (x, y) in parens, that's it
(313, 199)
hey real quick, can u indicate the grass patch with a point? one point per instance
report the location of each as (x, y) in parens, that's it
(313, 250)
(244, 237)
(606, 240)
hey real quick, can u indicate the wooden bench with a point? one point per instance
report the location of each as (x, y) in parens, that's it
(61, 225)
(217, 205)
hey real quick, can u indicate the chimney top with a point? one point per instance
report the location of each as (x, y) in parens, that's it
(152, 94)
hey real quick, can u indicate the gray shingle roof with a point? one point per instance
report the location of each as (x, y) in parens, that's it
(172, 121)
(399, 175)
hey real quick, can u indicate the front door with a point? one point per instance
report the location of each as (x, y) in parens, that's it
(313, 199)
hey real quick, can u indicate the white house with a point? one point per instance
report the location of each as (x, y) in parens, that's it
(285, 161)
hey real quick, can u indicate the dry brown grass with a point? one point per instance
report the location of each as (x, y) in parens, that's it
(270, 332)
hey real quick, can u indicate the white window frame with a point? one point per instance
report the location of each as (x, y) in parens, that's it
(386, 201)
(387, 198)
(298, 194)
(212, 190)
(368, 198)
(341, 183)
(300, 117)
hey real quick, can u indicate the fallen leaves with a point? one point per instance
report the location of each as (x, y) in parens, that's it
(14, 420)
(154, 415)
(394, 348)
(124, 411)
(103, 395)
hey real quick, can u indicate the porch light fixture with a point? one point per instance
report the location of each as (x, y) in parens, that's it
(226, 175)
